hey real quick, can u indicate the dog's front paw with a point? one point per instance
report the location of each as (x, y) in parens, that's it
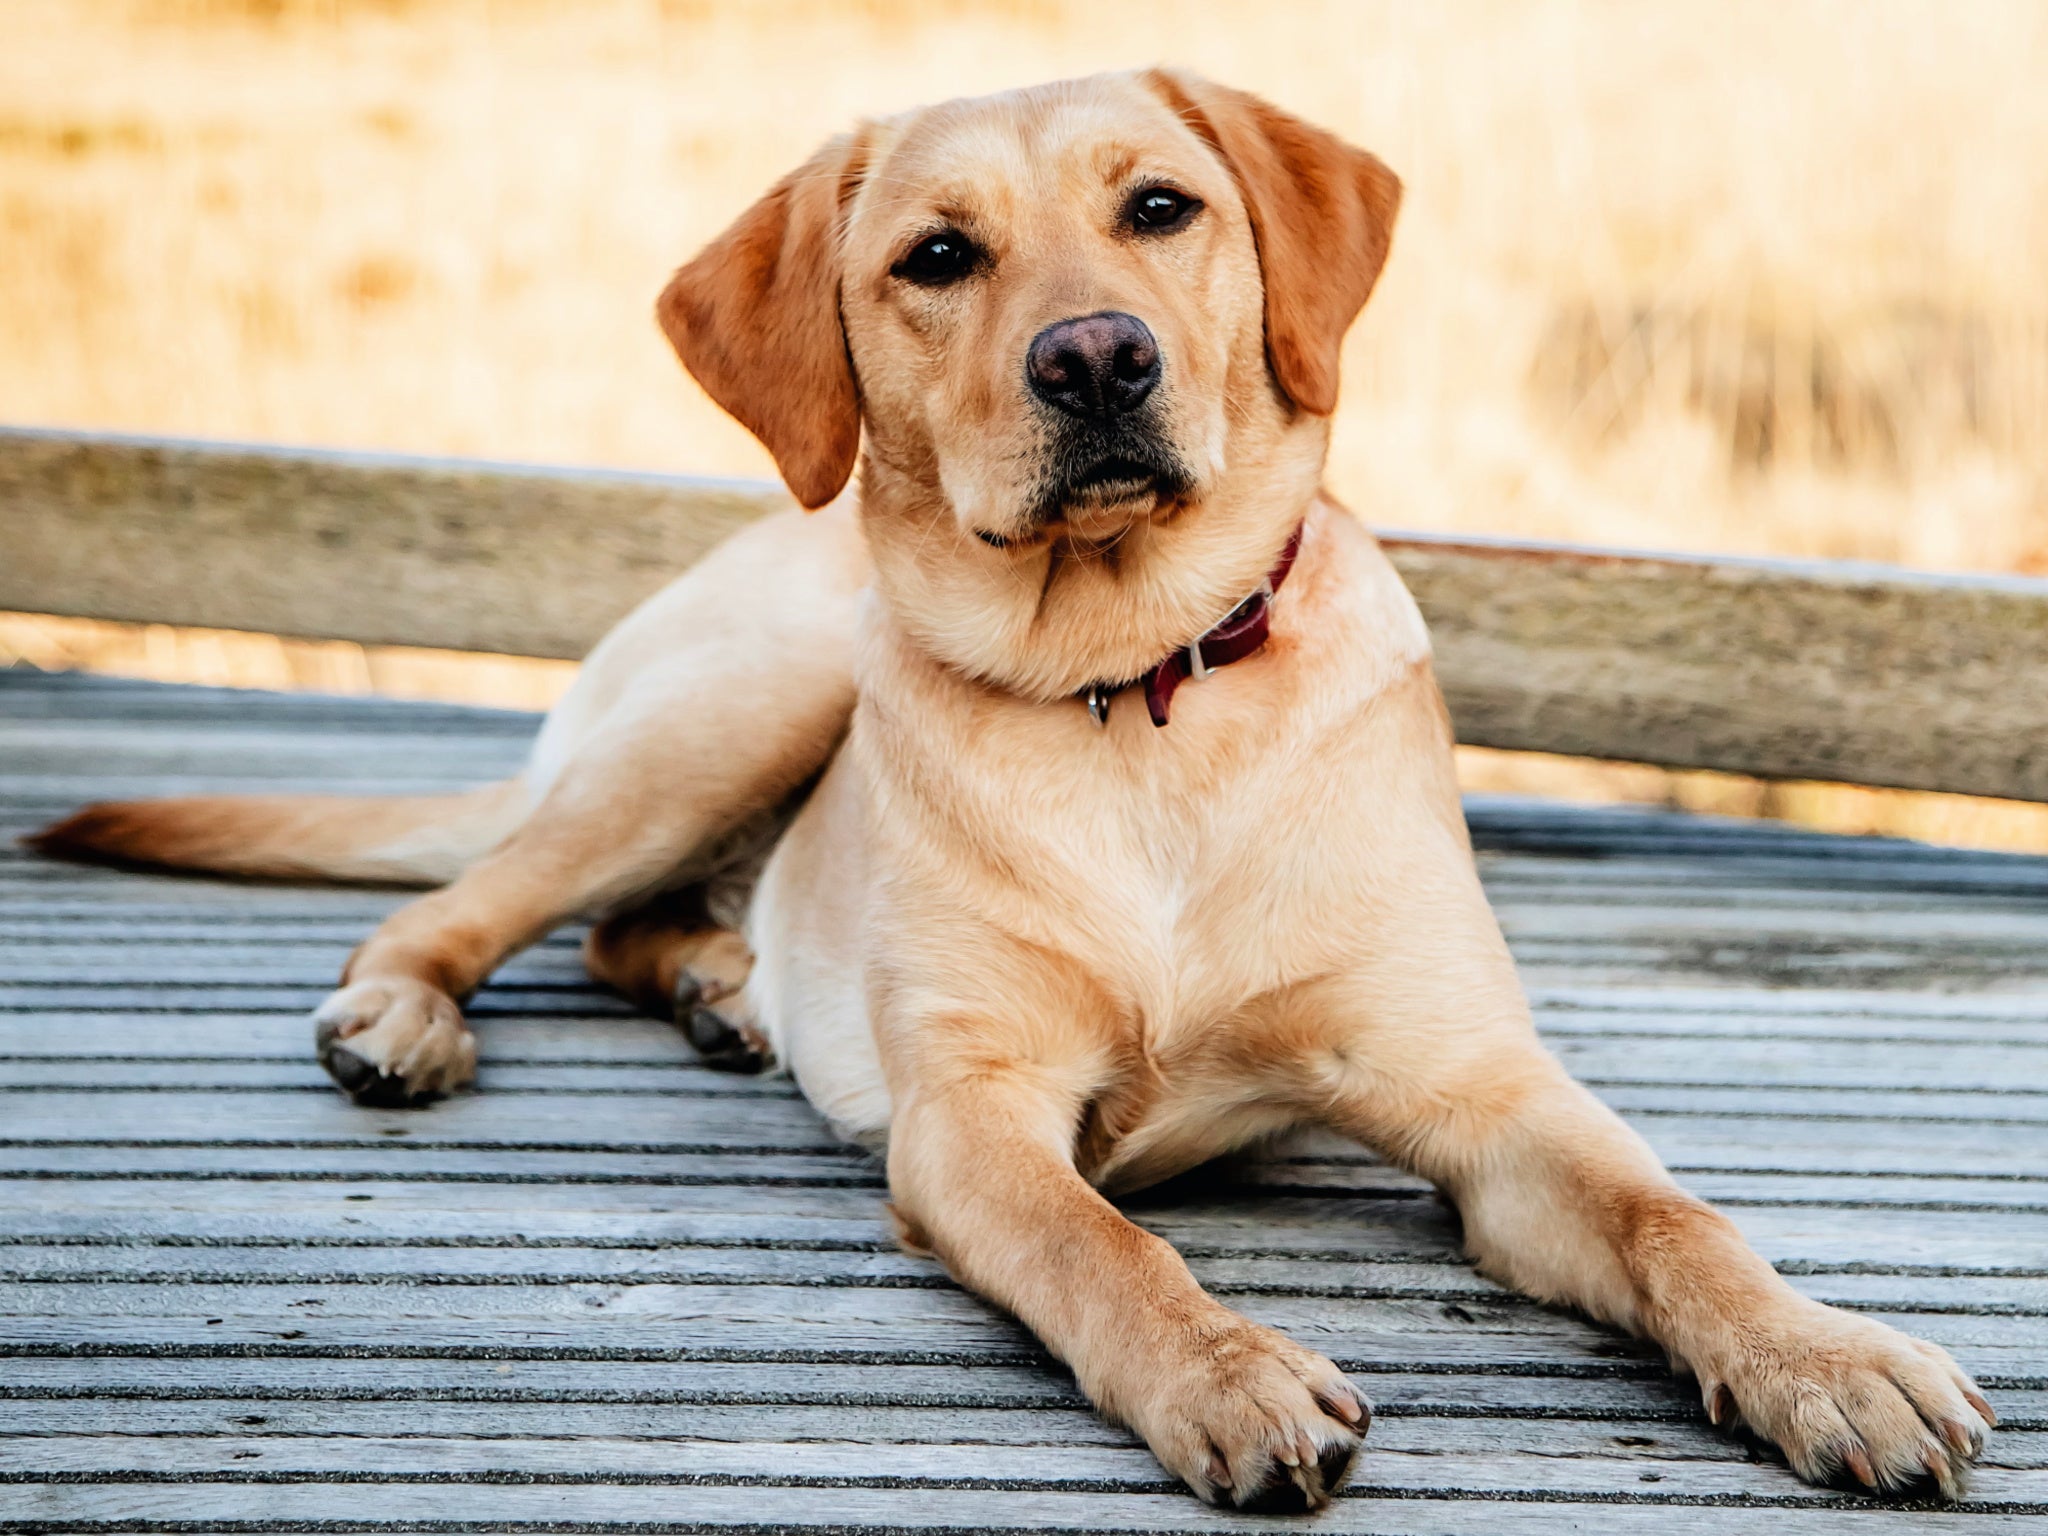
(1248, 1417)
(389, 1042)
(1847, 1397)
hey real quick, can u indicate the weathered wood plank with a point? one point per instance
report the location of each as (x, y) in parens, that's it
(296, 1135)
(347, 546)
(400, 1163)
(1966, 1052)
(825, 1308)
(1632, 1389)
(1115, 1457)
(566, 1036)
(1564, 919)
(1704, 966)
(1810, 671)
(115, 1206)
(31, 694)
(61, 1507)
(643, 1118)
(823, 1323)
(285, 1037)
(289, 1440)
(114, 919)
(1368, 1226)
(1821, 671)
(114, 1422)
(287, 1063)
(671, 1079)
(408, 1171)
(265, 962)
(2010, 953)
(1636, 1418)
(72, 790)
(2026, 1107)
(171, 998)
(1359, 1230)
(1737, 1186)
(1433, 1455)
(1938, 1290)
(1772, 1008)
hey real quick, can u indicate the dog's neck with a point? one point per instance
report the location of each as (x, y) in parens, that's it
(1045, 619)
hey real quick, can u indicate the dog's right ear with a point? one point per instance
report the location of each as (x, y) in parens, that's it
(755, 318)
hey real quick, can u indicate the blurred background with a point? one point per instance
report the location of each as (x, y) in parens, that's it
(1753, 277)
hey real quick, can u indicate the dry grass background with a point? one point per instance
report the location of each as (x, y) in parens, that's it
(1743, 276)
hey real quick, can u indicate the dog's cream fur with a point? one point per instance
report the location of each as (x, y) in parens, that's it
(1034, 959)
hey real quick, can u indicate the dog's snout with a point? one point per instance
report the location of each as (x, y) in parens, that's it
(1098, 365)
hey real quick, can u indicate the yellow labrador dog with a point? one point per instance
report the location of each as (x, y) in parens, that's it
(1075, 804)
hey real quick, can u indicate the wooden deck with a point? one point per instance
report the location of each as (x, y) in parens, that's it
(613, 1291)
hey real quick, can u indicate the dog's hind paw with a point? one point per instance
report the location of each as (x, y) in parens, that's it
(392, 1042)
(712, 1011)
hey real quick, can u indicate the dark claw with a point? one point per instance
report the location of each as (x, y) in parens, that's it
(1723, 1410)
(1335, 1462)
(361, 1081)
(1976, 1401)
(689, 992)
(1285, 1490)
(1280, 1492)
(1856, 1461)
(721, 1043)
(1333, 1404)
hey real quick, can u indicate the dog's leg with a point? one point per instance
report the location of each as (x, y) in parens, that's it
(1433, 1061)
(672, 959)
(706, 709)
(624, 816)
(981, 1168)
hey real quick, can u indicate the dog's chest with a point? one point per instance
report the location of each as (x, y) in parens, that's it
(1202, 897)
(1182, 873)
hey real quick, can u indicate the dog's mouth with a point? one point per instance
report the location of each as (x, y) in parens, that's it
(1116, 477)
(1087, 482)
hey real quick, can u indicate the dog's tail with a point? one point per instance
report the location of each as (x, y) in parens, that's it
(376, 839)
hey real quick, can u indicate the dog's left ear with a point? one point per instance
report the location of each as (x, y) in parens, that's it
(1321, 211)
(755, 318)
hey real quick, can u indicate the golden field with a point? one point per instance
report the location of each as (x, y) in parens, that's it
(1738, 276)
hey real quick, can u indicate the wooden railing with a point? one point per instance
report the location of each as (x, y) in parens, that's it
(1862, 674)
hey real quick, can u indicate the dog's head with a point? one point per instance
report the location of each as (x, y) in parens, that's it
(1062, 310)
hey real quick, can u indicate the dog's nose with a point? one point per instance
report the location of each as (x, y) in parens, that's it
(1098, 365)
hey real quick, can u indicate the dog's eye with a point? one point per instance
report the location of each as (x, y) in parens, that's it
(939, 259)
(1158, 208)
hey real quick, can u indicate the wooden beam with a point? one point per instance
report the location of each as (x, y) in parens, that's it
(1862, 674)
(347, 546)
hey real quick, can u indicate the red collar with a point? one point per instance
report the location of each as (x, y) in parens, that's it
(1242, 631)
